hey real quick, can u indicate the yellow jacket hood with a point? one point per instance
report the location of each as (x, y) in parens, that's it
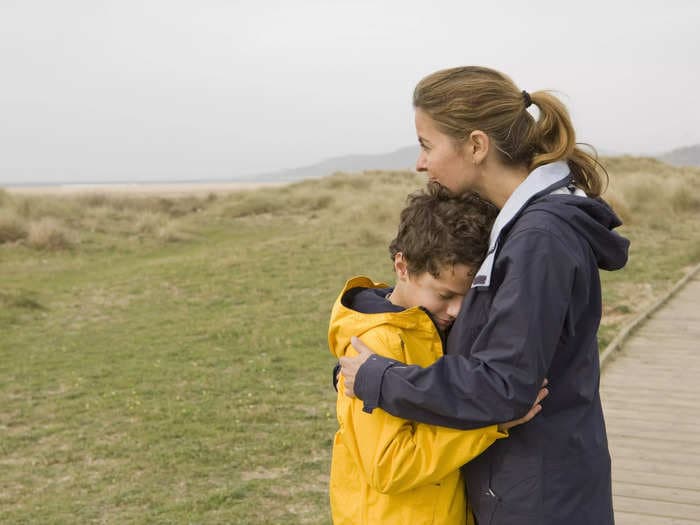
(346, 322)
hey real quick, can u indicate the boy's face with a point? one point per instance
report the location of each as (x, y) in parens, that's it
(441, 296)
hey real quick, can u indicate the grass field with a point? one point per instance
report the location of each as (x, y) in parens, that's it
(165, 360)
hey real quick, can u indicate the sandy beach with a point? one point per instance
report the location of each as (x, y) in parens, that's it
(164, 189)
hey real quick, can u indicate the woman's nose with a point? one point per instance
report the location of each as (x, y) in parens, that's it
(421, 163)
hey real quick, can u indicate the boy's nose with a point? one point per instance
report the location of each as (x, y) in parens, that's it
(453, 307)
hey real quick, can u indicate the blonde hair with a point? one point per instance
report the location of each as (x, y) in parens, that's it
(464, 99)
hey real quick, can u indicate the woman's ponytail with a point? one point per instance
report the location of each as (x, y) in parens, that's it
(553, 138)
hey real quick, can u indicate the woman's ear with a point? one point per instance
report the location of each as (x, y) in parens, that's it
(400, 267)
(478, 146)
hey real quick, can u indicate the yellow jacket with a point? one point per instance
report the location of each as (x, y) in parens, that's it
(386, 470)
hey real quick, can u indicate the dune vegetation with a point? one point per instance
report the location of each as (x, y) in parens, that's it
(164, 360)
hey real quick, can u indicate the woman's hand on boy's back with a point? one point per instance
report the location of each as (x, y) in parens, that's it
(350, 365)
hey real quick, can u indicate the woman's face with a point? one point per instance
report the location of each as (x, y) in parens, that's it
(443, 160)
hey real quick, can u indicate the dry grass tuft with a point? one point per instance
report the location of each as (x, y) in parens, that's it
(50, 234)
(4, 197)
(684, 201)
(20, 299)
(170, 232)
(12, 226)
(54, 219)
(252, 203)
(149, 222)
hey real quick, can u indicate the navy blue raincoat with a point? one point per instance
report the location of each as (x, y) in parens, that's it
(533, 312)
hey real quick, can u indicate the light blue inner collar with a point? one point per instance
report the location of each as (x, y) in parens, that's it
(537, 181)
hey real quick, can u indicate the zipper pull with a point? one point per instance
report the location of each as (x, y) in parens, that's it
(492, 494)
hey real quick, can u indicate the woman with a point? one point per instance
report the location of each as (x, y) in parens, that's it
(533, 310)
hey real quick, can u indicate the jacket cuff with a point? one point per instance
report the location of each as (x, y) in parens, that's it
(334, 379)
(368, 381)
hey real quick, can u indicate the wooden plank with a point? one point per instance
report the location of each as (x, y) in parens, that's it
(664, 350)
(631, 440)
(672, 440)
(669, 358)
(649, 467)
(658, 404)
(654, 415)
(652, 492)
(640, 420)
(652, 391)
(628, 369)
(657, 507)
(671, 316)
(682, 408)
(620, 474)
(648, 369)
(641, 393)
(662, 354)
(667, 457)
(633, 518)
(676, 317)
(644, 354)
(639, 354)
(615, 441)
(656, 386)
(660, 338)
(651, 367)
(660, 418)
(617, 429)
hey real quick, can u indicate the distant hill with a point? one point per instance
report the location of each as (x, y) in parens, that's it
(401, 159)
(404, 158)
(687, 156)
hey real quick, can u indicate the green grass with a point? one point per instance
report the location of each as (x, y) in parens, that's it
(149, 378)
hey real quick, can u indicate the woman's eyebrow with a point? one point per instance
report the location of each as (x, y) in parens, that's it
(422, 141)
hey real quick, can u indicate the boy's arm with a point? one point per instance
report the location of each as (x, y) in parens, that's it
(396, 454)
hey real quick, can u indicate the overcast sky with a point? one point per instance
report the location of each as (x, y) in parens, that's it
(130, 90)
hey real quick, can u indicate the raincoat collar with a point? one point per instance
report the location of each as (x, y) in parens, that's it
(540, 181)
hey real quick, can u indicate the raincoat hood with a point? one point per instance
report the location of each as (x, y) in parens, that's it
(593, 220)
(362, 296)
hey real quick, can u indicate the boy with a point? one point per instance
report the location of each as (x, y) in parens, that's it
(386, 470)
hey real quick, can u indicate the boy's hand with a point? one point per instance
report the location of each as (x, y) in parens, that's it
(536, 407)
(350, 365)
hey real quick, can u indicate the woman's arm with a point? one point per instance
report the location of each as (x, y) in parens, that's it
(509, 358)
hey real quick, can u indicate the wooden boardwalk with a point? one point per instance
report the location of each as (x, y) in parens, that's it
(651, 398)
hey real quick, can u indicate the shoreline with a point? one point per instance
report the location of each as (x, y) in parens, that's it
(141, 188)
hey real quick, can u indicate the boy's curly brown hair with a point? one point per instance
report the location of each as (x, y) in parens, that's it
(439, 229)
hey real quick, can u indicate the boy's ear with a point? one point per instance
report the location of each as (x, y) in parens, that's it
(400, 267)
